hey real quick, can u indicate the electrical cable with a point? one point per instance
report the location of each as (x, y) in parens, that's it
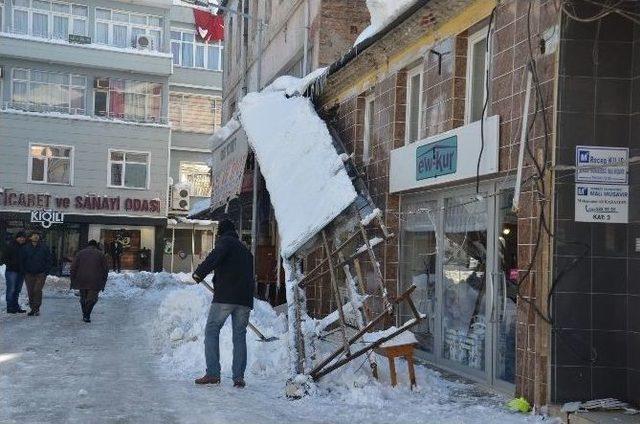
(486, 99)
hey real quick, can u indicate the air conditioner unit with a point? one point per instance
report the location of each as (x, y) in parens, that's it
(180, 194)
(143, 42)
(102, 83)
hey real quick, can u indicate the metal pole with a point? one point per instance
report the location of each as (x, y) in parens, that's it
(173, 242)
(305, 44)
(256, 167)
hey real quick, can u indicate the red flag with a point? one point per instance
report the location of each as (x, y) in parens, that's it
(209, 27)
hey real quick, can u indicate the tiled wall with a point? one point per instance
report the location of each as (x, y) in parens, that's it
(596, 336)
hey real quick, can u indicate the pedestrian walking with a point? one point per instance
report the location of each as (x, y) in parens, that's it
(234, 284)
(117, 249)
(13, 275)
(36, 262)
(89, 272)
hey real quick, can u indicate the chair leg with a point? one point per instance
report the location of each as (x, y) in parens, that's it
(392, 371)
(412, 371)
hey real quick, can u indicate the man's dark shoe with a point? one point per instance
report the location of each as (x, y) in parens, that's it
(208, 379)
(20, 311)
(34, 312)
(86, 318)
(239, 383)
(12, 311)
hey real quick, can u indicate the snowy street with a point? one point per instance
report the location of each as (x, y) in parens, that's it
(136, 361)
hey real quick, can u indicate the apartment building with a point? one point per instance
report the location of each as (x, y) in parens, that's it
(106, 106)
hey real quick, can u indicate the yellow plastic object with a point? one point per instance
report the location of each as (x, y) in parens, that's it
(519, 405)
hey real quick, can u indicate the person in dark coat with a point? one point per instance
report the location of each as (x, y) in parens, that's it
(14, 277)
(234, 285)
(117, 249)
(89, 272)
(36, 262)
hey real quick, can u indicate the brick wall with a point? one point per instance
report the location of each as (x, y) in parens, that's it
(338, 26)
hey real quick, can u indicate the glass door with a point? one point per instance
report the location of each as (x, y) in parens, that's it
(418, 267)
(506, 277)
(465, 287)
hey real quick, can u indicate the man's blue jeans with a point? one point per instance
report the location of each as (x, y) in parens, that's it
(218, 314)
(14, 282)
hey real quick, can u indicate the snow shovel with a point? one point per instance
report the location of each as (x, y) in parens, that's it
(262, 337)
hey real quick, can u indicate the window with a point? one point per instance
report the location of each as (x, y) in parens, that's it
(50, 164)
(128, 169)
(198, 175)
(369, 125)
(43, 91)
(48, 19)
(476, 92)
(121, 29)
(195, 113)
(414, 104)
(136, 101)
(189, 52)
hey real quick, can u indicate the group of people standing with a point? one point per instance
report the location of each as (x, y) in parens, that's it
(28, 260)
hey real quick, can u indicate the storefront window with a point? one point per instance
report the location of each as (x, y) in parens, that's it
(464, 320)
(418, 265)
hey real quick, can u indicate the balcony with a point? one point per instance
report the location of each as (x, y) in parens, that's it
(58, 111)
(89, 55)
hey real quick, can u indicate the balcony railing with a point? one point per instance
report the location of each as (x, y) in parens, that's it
(79, 112)
(76, 40)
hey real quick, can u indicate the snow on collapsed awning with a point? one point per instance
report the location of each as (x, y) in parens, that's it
(305, 176)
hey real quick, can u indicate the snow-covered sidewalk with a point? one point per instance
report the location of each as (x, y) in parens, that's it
(136, 362)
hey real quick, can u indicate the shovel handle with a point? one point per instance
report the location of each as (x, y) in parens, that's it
(251, 326)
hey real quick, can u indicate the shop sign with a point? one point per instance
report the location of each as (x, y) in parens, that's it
(47, 217)
(229, 160)
(437, 158)
(602, 165)
(447, 157)
(602, 203)
(10, 198)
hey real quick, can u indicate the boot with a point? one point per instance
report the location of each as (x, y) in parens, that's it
(239, 383)
(34, 312)
(86, 318)
(208, 379)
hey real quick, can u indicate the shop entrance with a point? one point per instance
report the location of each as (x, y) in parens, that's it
(460, 251)
(131, 242)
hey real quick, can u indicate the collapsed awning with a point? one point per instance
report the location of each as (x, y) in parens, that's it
(305, 176)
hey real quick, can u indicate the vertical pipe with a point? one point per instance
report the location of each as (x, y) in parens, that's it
(523, 140)
(173, 243)
(305, 44)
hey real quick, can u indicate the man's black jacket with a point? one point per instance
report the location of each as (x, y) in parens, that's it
(232, 264)
(11, 256)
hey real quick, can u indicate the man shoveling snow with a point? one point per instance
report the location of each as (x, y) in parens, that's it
(234, 286)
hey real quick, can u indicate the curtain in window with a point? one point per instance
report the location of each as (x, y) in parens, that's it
(120, 36)
(102, 33)
(60, 27)
(21, 21)
(135, 175)
(116, 98)
(40, 25)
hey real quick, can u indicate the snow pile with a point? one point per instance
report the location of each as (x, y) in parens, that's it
(306, 178)
(406, 337)
(382, 12)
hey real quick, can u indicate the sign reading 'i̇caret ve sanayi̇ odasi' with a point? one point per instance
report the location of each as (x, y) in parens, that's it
(447, 157)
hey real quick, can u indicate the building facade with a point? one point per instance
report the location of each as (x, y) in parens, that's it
(99, 120)
(535, 298)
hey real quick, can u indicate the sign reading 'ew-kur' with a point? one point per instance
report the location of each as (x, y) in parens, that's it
(438, 158)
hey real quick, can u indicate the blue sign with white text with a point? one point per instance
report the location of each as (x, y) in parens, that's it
(437, 158)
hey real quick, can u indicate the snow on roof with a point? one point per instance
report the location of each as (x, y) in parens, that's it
(293, 86)
(306, 178)
(199, 206)
(224, 132)
(382, 12)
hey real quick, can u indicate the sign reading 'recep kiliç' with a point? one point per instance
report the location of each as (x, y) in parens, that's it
(437, 158)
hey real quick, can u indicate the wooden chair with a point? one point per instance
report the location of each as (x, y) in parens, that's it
(399, 351)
